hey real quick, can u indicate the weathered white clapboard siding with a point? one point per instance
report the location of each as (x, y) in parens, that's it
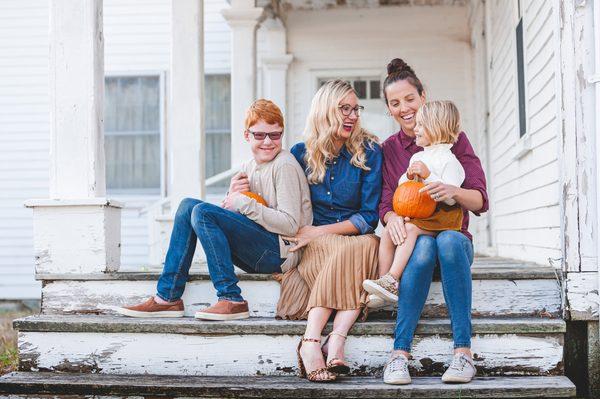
(24, 134)
(440, 54)
(490, 297)
(525, 191)
(267, 346)
(138, 36)
(217, 38)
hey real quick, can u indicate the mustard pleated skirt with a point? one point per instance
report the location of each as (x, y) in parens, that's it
(329, 275)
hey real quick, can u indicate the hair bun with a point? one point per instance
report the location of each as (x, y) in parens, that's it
(398, 65)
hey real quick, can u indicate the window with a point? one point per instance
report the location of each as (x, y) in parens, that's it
(217, 111)
(366, 88)
(132, 142)
(521, 75)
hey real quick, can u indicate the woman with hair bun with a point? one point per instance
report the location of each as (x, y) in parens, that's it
(342, 162)
(451, 250)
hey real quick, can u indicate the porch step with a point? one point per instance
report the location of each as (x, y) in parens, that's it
(259, 346)
(501, 288)
(31, 384)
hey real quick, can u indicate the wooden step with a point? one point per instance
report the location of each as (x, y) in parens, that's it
(149, 386)
(258, 346)
(501, 288)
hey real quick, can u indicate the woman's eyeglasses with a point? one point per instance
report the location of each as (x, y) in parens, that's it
(262, 135)
(347, 109)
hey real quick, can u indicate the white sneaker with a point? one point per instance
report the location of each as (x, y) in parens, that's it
(396, 371)
(375, 302)
(461, 369)
(385, 287)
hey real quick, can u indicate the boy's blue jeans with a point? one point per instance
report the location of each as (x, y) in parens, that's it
(227, 238)
(453, 252)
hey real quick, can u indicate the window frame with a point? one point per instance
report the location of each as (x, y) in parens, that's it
(353, 77)
(162, 100)
(523, 143)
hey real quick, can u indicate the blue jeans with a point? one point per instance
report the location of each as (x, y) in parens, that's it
(453, 251)
(227, 238)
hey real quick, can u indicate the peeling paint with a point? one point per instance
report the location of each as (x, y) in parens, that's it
(490, 297)
(203, 355)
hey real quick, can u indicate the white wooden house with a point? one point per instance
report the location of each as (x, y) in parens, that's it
(141, 103)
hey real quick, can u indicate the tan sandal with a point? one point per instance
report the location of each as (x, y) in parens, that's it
(335, 365)
(313, 376)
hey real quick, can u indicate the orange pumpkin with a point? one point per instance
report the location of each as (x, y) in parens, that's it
(409, 202)
(256, 197)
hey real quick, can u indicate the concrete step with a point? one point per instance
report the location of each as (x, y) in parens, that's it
(259, 346)
(501, 288)
(30, 385)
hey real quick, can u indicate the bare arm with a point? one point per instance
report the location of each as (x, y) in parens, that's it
(469, 199)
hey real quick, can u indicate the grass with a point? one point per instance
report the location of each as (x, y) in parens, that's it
(9, 355)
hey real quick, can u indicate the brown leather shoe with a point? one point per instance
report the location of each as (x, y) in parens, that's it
(152, 309)
(225, 310)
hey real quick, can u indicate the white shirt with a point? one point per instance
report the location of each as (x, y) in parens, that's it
(442, 164)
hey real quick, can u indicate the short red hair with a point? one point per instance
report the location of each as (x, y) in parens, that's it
(265, 110)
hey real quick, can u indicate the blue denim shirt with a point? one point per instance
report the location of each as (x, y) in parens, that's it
(347, 192)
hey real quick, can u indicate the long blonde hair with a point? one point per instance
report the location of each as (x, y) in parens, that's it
(322, 126)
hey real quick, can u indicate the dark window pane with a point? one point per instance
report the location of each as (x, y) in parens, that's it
(361, 88)
(217, 92)
(521, 79)
(133, 162)
(375, 88)
(132, 139)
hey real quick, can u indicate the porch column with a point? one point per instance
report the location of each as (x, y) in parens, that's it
(242, 18)
(186, 102)
(77, 230)
(186, 153)
(275, 65)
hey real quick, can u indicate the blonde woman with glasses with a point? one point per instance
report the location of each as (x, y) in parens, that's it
(342, 162)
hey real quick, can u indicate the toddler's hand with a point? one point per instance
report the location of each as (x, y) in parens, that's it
(419, 169)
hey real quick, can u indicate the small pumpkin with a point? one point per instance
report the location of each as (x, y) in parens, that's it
(256, 197)
(409, 202)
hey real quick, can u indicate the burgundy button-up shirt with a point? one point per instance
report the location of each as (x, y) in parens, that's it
(397, 151)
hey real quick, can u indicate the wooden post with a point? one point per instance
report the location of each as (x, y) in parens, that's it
(186, 102)
(77, 230)
(242, 17)
(275, 65)
(186, 136)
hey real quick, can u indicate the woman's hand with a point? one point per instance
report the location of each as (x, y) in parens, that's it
(419, 169)
(239, 183)
(395, 228)
(440, 191)
(305, 235)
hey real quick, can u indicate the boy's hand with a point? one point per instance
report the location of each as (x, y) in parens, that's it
(419, 169)
(239, 183)
(229, 201)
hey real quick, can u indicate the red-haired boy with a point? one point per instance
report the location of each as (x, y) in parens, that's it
(242, 231)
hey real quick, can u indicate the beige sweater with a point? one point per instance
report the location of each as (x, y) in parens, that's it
(282, 183)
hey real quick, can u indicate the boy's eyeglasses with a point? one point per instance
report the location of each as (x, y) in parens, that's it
(347, 109)
(262, 135)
